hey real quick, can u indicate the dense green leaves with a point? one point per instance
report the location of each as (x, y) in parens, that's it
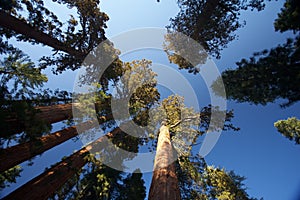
(71, 40)
(265, 77)
(9, 176)
(201, 181)
(18, 71)
(290, 128)
(289, 18)
(271, 74)
(211, 23)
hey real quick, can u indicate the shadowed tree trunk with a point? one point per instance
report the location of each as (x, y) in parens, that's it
(10, 22)
(17, 154)
(164, 185)
(45, 185)
(48, 114)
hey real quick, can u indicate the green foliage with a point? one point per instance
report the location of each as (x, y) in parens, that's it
(77, 36)
(133, 187)
(186, 125)
(211, 23)
(270, 74)
(20, 80)
(18, 71)
(9, 176)
(136, 87)
(290, 128)
(82, 35)
(200, 181)
(289, 18)
(265, 77)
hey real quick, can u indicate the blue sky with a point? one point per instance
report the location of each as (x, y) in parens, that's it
(269, 161)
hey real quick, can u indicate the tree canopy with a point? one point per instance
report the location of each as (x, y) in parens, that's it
(290, 128)
(270, 74)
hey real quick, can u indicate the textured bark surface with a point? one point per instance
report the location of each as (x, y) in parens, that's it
(21, 27)
(48, 114)
(45, 185)
(164, 185)
(55, 113)
(17, 154)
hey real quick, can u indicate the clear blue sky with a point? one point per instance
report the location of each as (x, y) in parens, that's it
(269, 161)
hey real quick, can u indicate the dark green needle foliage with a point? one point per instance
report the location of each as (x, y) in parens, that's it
(20, 80)
(71, 40)
(133, 187)
(265, 77)
(211, 23)
(271, 74)
(200, 181)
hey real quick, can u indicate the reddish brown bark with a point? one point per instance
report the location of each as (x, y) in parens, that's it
(54, 113)
(164, 185)
(49, 114)
(21, 27)
(45, 185)
(17, 154)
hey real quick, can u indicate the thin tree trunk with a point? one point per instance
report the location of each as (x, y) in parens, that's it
(17, 154)
(164, 185)
(45, 185)
(10, 22)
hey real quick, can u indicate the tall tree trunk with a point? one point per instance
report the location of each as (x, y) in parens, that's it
(164, 185)
(45, 185)
(10, 22)
(49, 114)
(55, 113)
(17, 154)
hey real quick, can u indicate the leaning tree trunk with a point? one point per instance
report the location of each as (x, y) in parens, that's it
(17, 154)
(10, 22)
(164, 185)
(47, 183)
(48, 114)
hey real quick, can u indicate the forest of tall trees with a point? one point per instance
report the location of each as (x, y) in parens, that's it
(29, 110)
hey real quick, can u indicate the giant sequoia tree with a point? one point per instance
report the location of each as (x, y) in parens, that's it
(271, 74)
(83, 174)
(211, 23)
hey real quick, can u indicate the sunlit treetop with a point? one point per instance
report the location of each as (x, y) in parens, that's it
(289, 128)
(200, 181)
(186, 125)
